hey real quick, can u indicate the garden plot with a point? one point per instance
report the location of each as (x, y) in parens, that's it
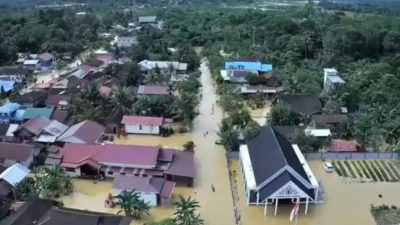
(366, 171)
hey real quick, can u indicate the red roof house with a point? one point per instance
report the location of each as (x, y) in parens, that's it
(339, 145)
(135, 156)
(142, 124)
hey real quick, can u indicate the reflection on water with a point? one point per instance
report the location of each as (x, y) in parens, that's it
(345, 204)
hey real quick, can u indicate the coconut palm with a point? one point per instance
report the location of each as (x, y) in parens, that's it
(55, 181)
(186, 212)
(122, 102)
(132, 205)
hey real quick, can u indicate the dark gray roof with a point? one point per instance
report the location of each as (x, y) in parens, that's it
(302, 104)
(269, 152)
(31, 97)
(4, 129)
(14, 71)
(46, 212)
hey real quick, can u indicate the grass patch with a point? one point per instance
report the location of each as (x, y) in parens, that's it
(380, 168)
(347, 164)
(363, 169)
(389, 171)
(371, 173)
(394, 170)
(341, 167)
(359, 172)
(378, 174)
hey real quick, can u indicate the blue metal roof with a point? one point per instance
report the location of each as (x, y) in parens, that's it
(248, 66)
(8, 85)
(9, 107)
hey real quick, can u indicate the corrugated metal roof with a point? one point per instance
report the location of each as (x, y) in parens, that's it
(14, 174)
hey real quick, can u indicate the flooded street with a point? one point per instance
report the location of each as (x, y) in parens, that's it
(211, 168)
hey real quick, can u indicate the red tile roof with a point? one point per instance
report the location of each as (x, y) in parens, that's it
(105, 58)
(330, 118)
(142, 120)
(129, 155)
(153, 90)
(75, 155)
(167, 189)
(338, 145)
(145, 184)
(35, 125)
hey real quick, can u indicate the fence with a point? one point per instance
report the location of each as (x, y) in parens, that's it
(352, 155)
(341, 155)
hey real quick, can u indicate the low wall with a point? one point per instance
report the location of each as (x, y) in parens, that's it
(352, 155)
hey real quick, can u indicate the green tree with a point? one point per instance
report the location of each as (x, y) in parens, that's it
(122, 101)
(230, 139)
(3, 93)
(55, 181)
(185, 213)
(26, 189)
(189, 146)
(132, 205)
(283, 115)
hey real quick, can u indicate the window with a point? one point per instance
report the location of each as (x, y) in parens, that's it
(70, 169)
(140, 127)
(110, 173)
(122, 173)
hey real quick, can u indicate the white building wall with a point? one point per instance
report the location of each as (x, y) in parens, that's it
(75, 173)
(142, 129)
(150, 198)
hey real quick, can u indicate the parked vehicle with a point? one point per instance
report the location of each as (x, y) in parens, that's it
(328, 167)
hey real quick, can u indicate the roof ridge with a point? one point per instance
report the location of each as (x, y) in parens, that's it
(279, 145)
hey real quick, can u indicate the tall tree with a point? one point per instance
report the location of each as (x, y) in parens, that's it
(185, 213)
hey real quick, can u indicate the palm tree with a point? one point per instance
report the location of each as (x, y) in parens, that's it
(132, 205)
(186, 212)
(122, 102)
(54, 181)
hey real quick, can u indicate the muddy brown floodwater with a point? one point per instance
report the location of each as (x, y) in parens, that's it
(211, 168)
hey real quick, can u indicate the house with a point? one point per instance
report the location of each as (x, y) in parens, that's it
(111, 160)
(31, 113)
(153, 190)
(32, 99)
(126, 41)
(250, 66)
(83, 71)
(32, 64)
(334, 121)
(147, 19)
(11, 153)
(85, 132)
(142, 124)
(14, 73)
(164, 66)
(49, 212)
(57, 101)
(32, 128)
(251, 90)
(304, 105)
(153, 90)
(14, 174)
(237, 71)
(7, 85)
(54, 156)
(331, 78)
(105, 58)
(46, 59)
(50, 133)
(276, 171)
(340, 145)
(8, 111)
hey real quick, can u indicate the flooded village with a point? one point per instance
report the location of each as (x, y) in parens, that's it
(137, 126)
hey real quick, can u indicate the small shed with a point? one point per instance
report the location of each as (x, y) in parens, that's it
(142, 124)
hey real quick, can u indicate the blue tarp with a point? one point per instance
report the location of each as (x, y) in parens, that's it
(248, 66)
(8, 85)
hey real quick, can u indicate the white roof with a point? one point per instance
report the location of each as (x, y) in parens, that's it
(147, 64)
(318, 132)
(14, 174)
(306, 167)
(224, 74)
(330, 70)
(11, 129)
(247, 167)
(31, 62)
(46, 138)
(336, 79)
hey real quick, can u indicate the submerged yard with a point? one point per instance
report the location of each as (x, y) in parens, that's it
(345, 203)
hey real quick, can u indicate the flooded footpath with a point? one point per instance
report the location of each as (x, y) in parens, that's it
(210, 161)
